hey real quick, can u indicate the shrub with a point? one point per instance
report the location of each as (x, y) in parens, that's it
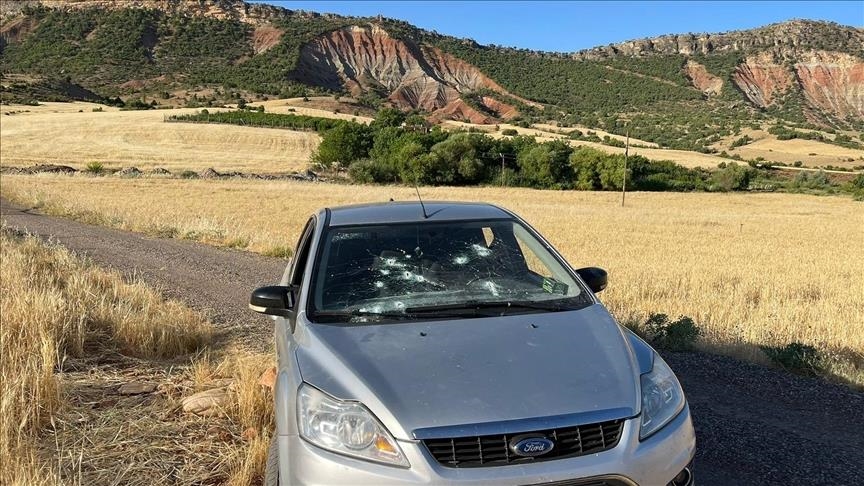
(95, 167)
(731, 178)
(741, 142)
(811, 180)
(509, 132)
(188, 174)
(677, 335)
(801, 358)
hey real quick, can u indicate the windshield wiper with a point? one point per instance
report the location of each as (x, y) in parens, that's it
(484, 304)
(350, 314)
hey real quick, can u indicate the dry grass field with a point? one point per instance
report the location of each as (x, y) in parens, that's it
(313, 107)
(810, 152)
(71, 335)
(57, 133)
(751, 269)
(142, 139)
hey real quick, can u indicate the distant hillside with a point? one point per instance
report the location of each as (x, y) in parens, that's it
(681, 91)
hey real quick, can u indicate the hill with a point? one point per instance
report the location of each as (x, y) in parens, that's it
(679, 91)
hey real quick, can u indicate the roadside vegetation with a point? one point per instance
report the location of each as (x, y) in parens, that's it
(74, 337)
(749, 270)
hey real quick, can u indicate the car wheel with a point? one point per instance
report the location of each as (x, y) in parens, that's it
(271, 470)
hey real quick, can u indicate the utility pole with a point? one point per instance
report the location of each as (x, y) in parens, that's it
(503, 180)
(626, 154)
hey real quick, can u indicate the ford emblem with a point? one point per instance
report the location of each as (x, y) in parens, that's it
(531, 446)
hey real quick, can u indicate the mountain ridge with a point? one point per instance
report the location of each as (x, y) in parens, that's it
(679, 90)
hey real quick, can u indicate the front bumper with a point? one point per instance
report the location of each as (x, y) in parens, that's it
(654, 461)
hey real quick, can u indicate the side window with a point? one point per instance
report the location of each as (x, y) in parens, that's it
(532, 261)
(301, 255)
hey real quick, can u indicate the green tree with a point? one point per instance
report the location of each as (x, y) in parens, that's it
(546, 165)
(343, 144)
(388, 117)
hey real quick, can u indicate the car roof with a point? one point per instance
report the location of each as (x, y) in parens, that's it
(412, 212)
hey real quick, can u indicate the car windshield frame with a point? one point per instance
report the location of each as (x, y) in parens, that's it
(448, 310)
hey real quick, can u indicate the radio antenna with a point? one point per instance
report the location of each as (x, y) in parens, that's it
(425, 216)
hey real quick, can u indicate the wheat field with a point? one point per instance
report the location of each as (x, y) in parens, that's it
(811, 153)
(751, 269)
(71, 334)
(57, 133)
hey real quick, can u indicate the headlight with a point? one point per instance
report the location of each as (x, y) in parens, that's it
(662, 398)
(345, 427)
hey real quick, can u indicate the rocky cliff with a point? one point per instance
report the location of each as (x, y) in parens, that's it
(702, 80)
(833, 82)
(761, 79)
(824, 61)
(785, 40)
(367, 58)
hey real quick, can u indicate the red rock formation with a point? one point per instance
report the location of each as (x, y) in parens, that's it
(703, 80)
(504, 110)
(364, 58)
(460, 111)
(761, 79)
(833, 82)
(264, 37)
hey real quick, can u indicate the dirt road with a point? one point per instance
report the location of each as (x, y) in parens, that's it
(755, 426)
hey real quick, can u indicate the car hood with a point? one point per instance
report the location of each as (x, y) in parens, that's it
(448, 375)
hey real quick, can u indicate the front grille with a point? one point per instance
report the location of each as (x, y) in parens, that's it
(611, 481)
(494, 450)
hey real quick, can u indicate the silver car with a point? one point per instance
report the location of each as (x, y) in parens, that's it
(451, 344)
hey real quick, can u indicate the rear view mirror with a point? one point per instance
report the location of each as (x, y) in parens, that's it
(274, 300)
(595, 278)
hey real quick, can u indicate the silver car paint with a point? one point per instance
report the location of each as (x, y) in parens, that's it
(649, 462)
(479, 370)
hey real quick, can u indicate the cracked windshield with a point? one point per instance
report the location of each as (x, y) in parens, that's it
(438, 270)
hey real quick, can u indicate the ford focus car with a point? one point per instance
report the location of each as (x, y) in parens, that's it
(450, 343)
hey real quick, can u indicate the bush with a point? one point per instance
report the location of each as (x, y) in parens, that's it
(731, 178)
(95, 167)
(797, 357)
(741, 142)
(677, 335)
(811, 180)
(188, 174)
(509, 132)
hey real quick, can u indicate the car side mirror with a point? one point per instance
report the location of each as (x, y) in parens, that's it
(274, 300)
(595, 278)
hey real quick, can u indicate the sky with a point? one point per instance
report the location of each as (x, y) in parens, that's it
(571, 26)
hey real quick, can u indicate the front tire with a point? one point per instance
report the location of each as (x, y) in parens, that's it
(271, 470)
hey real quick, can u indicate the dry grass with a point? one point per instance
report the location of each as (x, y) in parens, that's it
(317, 106)
(546, 127)
(142, 139)
(810, 152)
(71, 334)
(751, 269)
